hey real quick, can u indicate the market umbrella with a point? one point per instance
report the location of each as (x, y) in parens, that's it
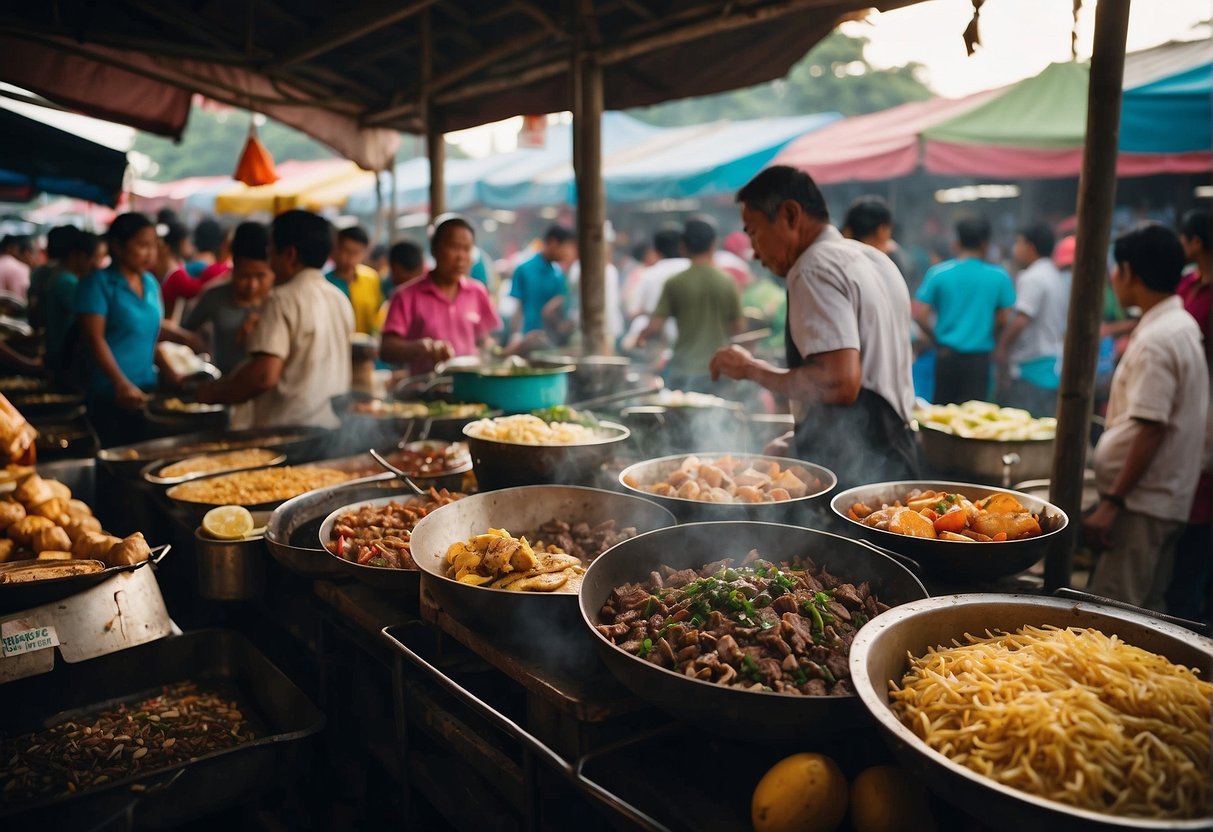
(37, 158)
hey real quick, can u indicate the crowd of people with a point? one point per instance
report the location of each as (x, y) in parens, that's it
(832, 322)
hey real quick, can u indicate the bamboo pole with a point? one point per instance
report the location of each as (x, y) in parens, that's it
(1096, 199)
(591, 202)
(435, 145)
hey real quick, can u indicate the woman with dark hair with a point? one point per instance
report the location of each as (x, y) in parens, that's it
(119, 313)
(444, 314)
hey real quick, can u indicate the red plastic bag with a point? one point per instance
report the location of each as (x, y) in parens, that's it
(256, 165)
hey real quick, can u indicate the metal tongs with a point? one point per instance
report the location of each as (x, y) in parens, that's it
(400, 475)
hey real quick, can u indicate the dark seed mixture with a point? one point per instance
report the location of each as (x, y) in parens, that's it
(181, 723)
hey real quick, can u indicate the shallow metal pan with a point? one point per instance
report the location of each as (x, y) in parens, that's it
(292, 530)
(953, 561)
(151, 473)
(509, 464)
(878, 655)
(994, 461)
(23, 596)
(536, 617)
(188, 790)
(300, 444)
(735, 712)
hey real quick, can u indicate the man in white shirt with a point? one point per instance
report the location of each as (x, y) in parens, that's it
(1148, 460)
(848, 335)
(1029, 349)
(300, 353)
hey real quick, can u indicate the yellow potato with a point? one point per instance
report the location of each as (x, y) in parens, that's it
(1015, 525)
(1002, 504)
(474, 580)
(955, 538)
(909, 522)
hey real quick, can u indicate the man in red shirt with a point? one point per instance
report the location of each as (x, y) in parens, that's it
(444, 314)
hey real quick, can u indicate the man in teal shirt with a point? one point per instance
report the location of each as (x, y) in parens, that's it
(970, 299)
(540, 280)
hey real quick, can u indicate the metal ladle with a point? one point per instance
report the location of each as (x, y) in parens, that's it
(399, 474)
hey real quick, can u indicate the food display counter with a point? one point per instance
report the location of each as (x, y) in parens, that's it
(578, 650)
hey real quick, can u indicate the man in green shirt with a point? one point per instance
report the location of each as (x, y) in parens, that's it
(705, 304)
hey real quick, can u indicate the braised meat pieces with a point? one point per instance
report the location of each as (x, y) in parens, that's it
(784, 629)
(381, 535)
(580, 539)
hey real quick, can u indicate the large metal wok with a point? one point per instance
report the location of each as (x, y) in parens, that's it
(878, 655)
(187, 791)
(292, 532)
(536, 617)
(951, 561)
(736, 712)
(798, 511)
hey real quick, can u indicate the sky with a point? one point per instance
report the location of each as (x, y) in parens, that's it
(1019, 38)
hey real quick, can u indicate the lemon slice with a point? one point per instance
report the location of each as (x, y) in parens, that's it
(227, 523)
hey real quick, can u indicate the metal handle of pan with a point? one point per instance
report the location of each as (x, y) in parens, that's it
(159, 553)
(529, 741)
(1079, 595)
(909, 563)
(653, 386)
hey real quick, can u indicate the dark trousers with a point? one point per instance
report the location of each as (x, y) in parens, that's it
(1188, 594)
(861, 443)
(114, 425)
(961, 376)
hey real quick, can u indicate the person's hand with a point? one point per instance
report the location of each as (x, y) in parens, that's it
(731, 362)
(436, 350)
(1097, 525)
(780, 446)
(129, 397)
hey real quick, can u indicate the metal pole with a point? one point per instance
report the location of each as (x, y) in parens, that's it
(1096, 200)
(591, 203)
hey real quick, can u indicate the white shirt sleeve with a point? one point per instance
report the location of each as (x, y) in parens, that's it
(821, 316)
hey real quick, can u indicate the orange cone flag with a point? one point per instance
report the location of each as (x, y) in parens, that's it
(256, 165)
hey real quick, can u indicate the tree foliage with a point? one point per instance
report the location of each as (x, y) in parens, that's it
(213, 140)
(834, 75)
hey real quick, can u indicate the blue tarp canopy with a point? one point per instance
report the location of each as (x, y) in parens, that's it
(640, 162)
(703, 160)
(503, 180)
(37, 158)
(1170, 115)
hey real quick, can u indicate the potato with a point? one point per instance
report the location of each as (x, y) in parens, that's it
(59, 489)
(689, 490)
(78, 508)
(910, 523)
(76, 528)
(52, 538)
(52, 509)
(748, 494)
(1001, 504)
(953, 522)
(22, 532)
(10, 512)
(1013, 525)
(32, 491)
(133, 549)
(955, 538)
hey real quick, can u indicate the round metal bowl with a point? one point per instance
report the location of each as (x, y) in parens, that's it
(451, 479)
(512, 389)
(878, 655)
(993, 461)
(509, 464)
(404, 582)
(737, 712)
(785, 511)
(593, 375)
(291, 532)
(951, 560)
(541, 617)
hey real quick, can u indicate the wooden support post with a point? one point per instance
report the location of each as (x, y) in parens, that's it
(591, 202)
(435, 144)
(1096, 199)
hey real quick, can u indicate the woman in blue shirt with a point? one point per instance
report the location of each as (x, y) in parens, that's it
(119, 312)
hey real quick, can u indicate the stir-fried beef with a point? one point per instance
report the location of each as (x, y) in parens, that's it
(758, 626)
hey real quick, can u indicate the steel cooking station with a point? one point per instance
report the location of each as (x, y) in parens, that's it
(380, 689)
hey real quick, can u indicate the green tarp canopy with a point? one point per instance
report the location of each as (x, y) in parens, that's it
(1047, 111)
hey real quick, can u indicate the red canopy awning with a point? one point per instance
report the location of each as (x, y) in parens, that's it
(875, 146)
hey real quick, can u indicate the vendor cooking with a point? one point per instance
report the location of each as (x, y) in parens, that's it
(444, 314)
(299, 351)
(847, 336)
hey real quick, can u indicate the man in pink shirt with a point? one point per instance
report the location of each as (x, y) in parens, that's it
(18, 254)
(443, 314)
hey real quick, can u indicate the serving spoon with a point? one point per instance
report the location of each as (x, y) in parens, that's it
(399, 474)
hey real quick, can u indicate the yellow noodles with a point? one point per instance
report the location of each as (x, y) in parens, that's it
(1070, 715)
